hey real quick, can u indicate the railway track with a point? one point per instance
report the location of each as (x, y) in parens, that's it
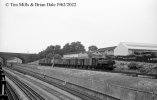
(67, 86)
(8, 92)
(11, 93)
(31, 94)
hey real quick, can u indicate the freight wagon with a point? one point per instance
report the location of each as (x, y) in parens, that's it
(86, 63)
(45, 62)
(81, 63)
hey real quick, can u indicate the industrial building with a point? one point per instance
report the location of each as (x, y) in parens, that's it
(129, 48)
(75, 55)
(123, 49)
(107, 51)
(83, 55)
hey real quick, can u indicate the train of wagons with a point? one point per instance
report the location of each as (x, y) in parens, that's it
(81, 63)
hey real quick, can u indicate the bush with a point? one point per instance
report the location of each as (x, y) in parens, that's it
(134, 66)
(154, 70)
(144, 70)
(148, 69)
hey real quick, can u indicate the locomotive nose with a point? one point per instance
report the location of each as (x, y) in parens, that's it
(113, 62)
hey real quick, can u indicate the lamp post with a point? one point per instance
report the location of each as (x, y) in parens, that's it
(53, 58)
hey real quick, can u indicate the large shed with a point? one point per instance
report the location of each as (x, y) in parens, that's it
(129, 48)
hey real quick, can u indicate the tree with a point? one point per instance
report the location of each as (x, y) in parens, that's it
(31, 58)
(58, 50)
(50, 55)
(73, 47)
(57, 56)
(42, 54)
(77, 47)
(92, 48)
(66, 48)
(50, 51)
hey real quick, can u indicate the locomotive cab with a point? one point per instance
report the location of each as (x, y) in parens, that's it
(107, 64)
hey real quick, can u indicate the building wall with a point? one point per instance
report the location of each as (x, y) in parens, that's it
(121, 50)
(107, 51)
(70, 55)
(84, 55)
(110, 52)
(75, 55)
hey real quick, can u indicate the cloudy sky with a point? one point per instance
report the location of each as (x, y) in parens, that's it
(102, 23)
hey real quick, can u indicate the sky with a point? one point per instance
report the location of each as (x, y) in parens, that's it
(104, 23)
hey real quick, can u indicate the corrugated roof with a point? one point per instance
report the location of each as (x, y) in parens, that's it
(140, 46)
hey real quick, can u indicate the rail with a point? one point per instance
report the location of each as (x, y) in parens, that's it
(69, 87)
(11, 93)
(31, 94)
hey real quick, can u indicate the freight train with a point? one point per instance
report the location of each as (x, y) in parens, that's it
(81, 63)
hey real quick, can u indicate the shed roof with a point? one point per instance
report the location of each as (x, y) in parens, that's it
(140, 46)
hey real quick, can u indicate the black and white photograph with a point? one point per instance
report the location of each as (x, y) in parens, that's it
(78, 50)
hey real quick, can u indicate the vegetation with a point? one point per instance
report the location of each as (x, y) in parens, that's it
(73, 47)
(50, 55)
(31, 58)
(149, 69)
(50, 51)
(142, 67)
(92, 48)
(134, 66)
(55, 51)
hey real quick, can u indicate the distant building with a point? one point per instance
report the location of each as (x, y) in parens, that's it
(107, 51)
(75, 55)
(95, 54)
(128, 48)
(14, 60)
(83, 55)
